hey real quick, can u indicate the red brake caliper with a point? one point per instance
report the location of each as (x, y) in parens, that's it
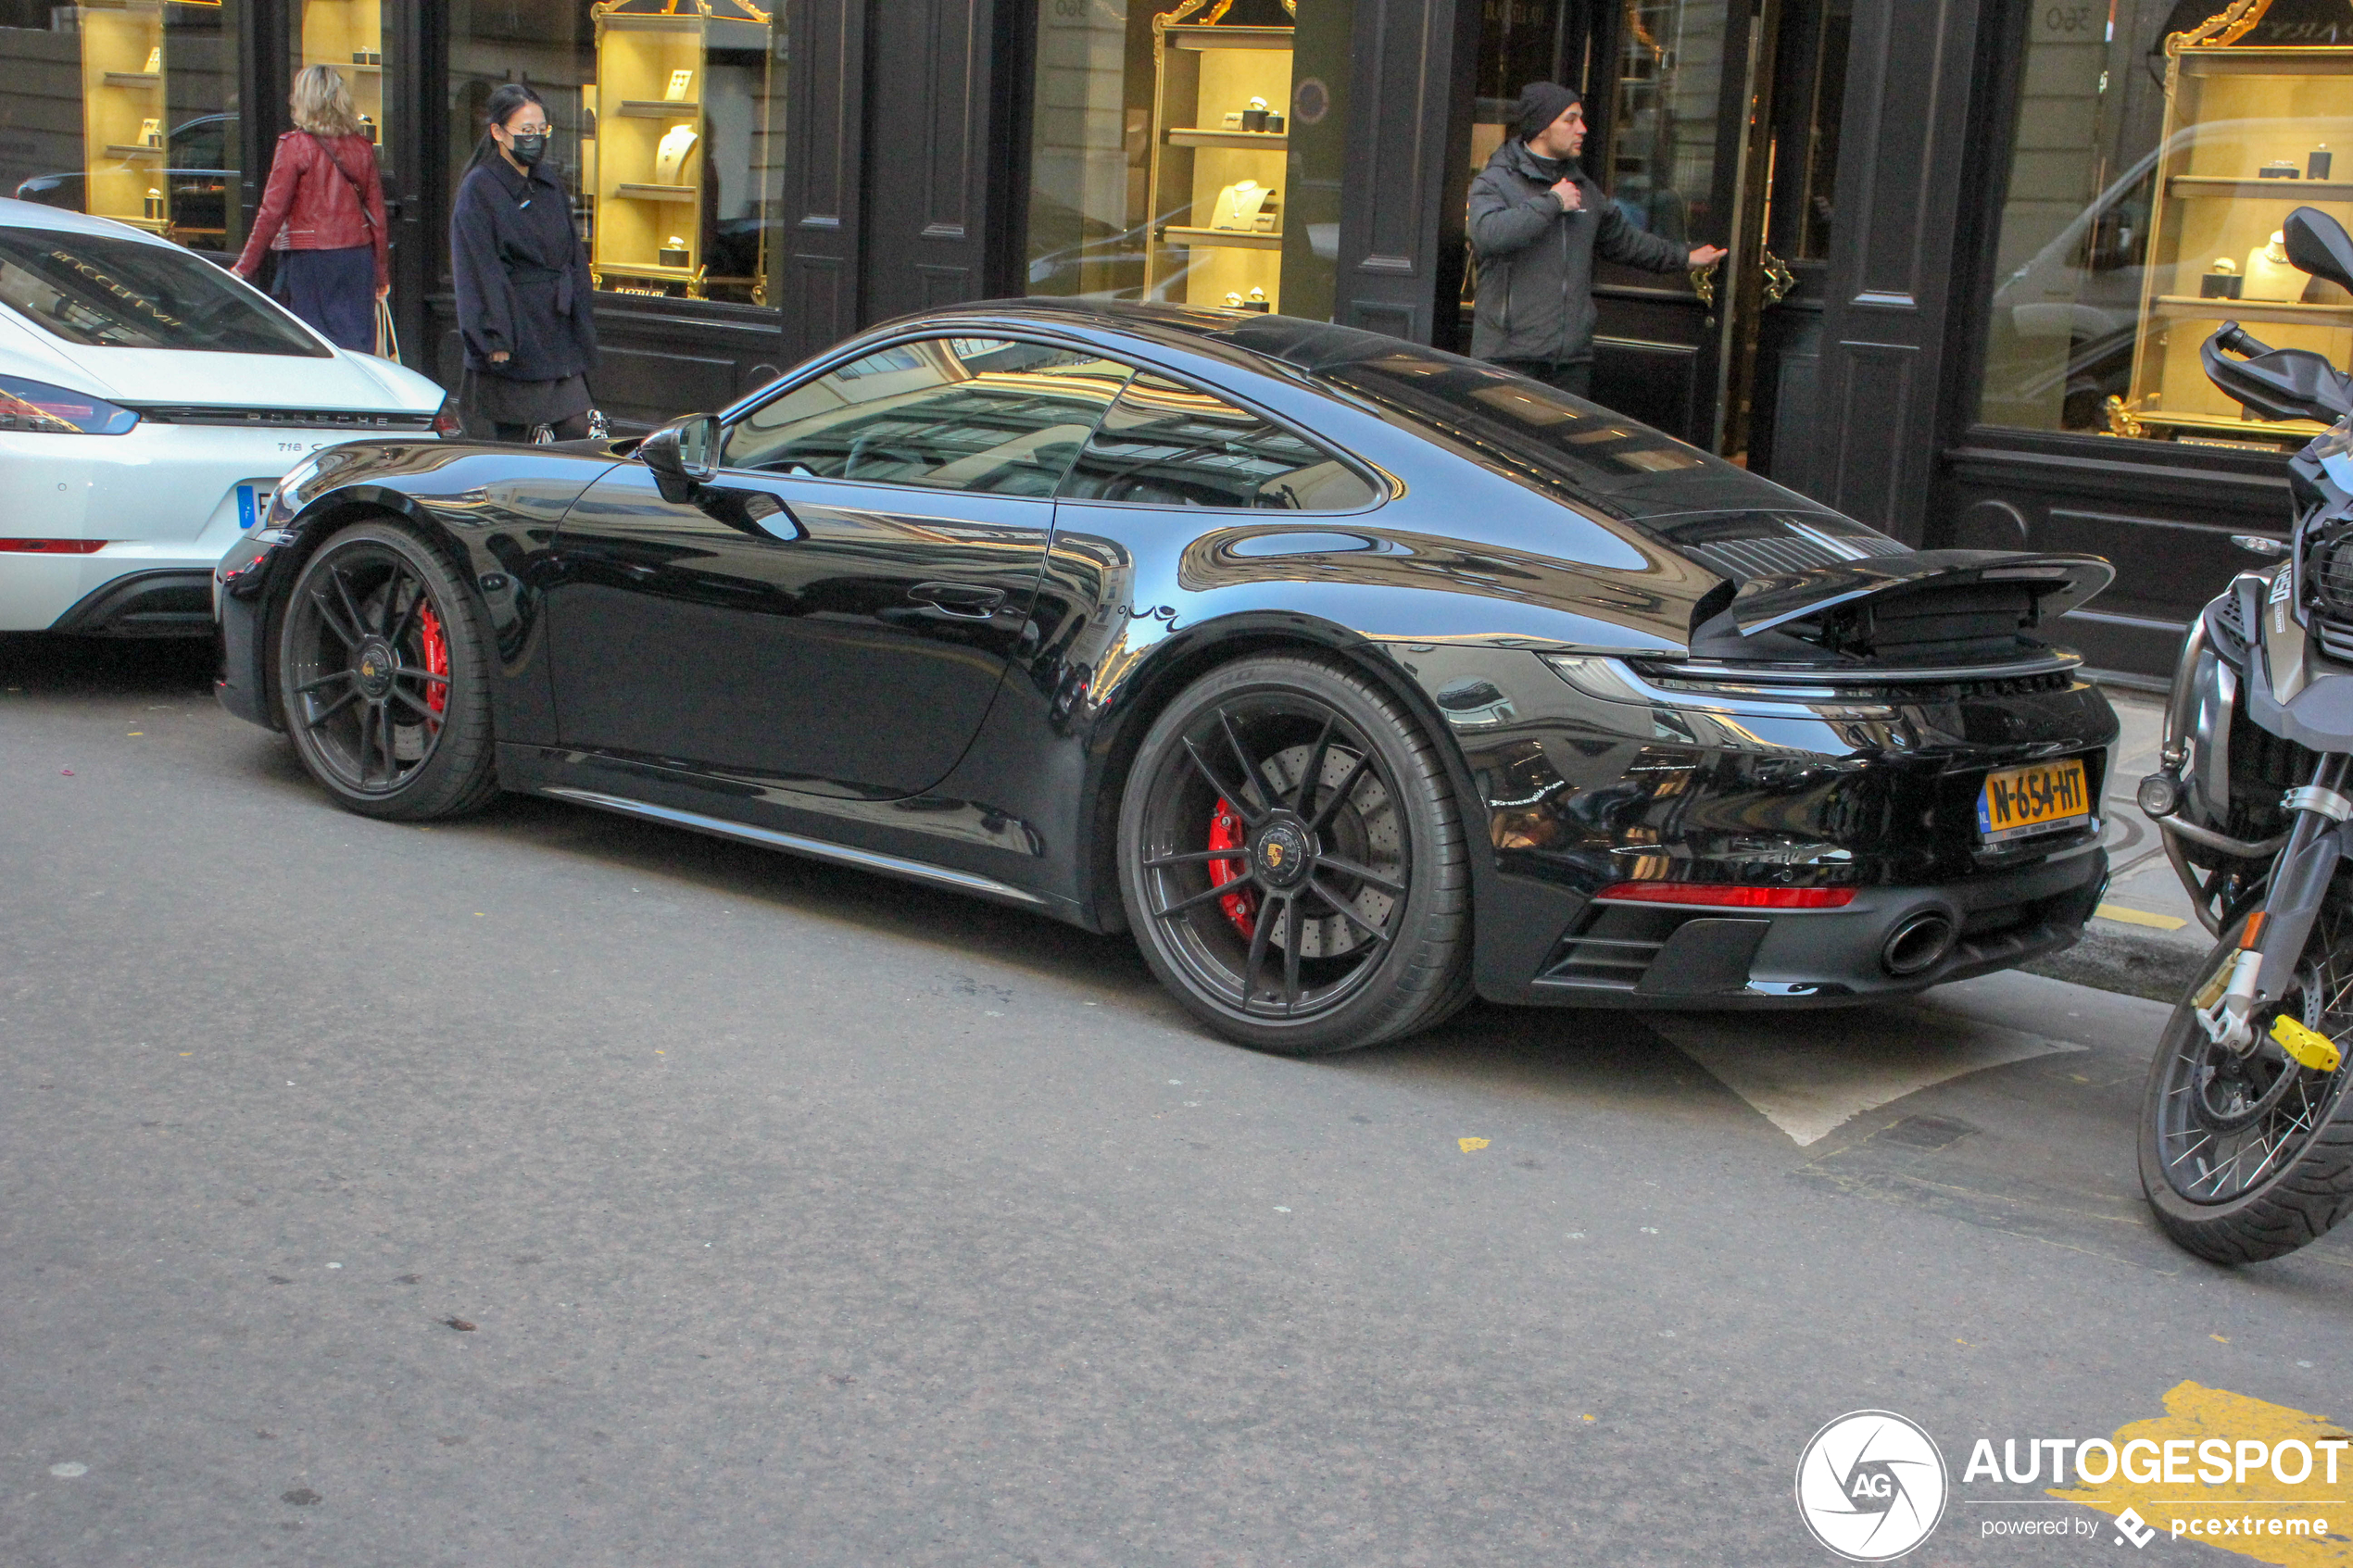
(1226, 832)
(437, 651)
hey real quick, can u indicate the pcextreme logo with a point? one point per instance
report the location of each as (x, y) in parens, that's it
(1871, 1485)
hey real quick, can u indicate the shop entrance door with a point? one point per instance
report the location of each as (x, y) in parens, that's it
(1772, 293)
(1723, 119)
(1714, 122)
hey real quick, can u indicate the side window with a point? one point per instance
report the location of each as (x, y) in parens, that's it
(1169, 445)
(951, 413)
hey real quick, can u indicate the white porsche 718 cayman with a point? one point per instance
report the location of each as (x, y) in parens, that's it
(148, 403)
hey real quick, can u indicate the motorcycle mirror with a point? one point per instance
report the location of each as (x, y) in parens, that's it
(2318, 244)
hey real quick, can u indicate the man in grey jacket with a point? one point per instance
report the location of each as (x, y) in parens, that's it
(1536, 220)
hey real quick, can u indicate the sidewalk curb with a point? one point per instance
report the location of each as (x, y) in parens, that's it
(2125, 962)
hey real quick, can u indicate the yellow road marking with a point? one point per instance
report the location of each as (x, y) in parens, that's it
(2119, 913)
(2198, 1414)
(1470, 1144)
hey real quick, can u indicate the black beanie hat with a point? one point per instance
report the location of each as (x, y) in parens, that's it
(1541, 103)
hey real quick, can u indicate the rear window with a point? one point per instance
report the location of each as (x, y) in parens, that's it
(1542, 435)
(106, 293)
(1523, 420)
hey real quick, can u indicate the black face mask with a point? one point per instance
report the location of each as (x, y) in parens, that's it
(528, 147)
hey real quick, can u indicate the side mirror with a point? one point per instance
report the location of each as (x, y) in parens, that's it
(2317, 244)
(684, 451)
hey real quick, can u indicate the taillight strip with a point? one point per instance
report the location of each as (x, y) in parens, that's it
(1720, 895)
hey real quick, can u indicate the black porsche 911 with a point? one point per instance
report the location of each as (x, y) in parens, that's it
(1352, 677)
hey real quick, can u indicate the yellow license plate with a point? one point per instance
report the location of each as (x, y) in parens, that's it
(2043, 798)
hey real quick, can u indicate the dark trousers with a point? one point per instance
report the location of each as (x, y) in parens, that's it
(573, 429)
(1576, 378)
(334, 292)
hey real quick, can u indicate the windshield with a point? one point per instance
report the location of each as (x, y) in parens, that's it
(108, 293)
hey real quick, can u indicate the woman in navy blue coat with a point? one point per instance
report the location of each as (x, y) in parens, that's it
(523, 282)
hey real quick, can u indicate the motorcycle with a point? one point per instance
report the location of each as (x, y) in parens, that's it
(2247, 1135)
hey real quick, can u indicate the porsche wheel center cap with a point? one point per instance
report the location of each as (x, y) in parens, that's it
(374, 668)
(1280, 856)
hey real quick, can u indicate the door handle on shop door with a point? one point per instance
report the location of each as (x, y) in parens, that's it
(968, 599)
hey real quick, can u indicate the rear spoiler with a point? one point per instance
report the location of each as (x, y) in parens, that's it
(2059, 582)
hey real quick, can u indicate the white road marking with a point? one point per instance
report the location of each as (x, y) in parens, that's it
(1809, 1072)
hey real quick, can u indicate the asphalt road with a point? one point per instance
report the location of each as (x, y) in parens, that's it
(552, 1188)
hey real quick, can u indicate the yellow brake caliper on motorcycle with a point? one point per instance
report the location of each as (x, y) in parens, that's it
(2303, 1045)
(2310, 1048)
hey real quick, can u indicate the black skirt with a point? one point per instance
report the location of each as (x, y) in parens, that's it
(499, 400)
(334, 291)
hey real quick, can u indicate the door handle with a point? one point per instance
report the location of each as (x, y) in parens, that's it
(967, 600)
(1779, 279)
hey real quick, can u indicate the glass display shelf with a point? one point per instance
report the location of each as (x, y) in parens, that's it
(646, 163)
(1219, 142)
(2249, 134)
(124, 119)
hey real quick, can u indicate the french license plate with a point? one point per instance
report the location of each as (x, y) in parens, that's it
(2041, 798)
(252, 503)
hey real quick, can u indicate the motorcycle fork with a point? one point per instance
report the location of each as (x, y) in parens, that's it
(2272, 943)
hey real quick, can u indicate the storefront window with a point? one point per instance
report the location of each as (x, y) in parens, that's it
(125, 112)
(668, 128)
(1190, 154)
(348, 35)
(2147, 186)
(1662, 141)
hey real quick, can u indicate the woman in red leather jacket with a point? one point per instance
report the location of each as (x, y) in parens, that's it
(324, 213)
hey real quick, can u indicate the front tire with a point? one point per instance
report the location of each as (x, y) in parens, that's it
(1292, 860)
(382, 675)
(2248, 1158)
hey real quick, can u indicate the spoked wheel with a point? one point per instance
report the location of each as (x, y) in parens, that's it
(1292, 860)
(380, 674)
(2247, 1156)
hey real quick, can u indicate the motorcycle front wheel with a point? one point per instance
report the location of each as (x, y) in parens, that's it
(2245, 1158)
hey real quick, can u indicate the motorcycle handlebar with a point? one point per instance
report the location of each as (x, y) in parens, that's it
(2235, 339)
(2275, 383)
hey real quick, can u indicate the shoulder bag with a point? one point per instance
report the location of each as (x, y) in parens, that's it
(387, 339)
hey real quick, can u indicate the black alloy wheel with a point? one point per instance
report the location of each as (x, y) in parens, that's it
(381, 672)
(1292, 860)
(2249, 1156)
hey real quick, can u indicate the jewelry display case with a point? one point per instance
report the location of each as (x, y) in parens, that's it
(2250, 134)
(1218, 158)
(646, 125)
(348, 35)
(122, 111)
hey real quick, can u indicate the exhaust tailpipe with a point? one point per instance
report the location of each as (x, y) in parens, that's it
(1919, 944)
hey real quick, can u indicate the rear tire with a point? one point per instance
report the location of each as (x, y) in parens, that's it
(2237, 1193)
(383, 677)
(1342, 916)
